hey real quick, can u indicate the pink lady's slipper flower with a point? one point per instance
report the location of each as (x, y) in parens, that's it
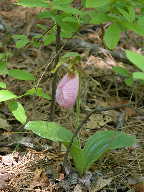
(67, 90)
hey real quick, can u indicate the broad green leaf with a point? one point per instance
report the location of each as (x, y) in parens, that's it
(50, 130)
(5, 56)
(136, 59)
(96, 3)
(18, 111)
(65, 7)
(121, 140)
(78, 157)
(70, 19)
(46, 14)
(71, 54)
(3, 85)
(63, 2)
(3, 68)
(69, 10)
(102, 142)
(118, 139)
(129, 81)
(99, 18)
(112, 35)
(21, 40)
(6, 95)
(33, 3)
(21, 43)
(132, 14)
(43, 27)
(128, 14)
(139, 29)
(121, 71)
(21, 74)
(48, 39)
(140, 20)
(138, 75)
(38, 92)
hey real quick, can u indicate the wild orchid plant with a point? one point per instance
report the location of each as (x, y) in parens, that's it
(67, 20)
(97, 145)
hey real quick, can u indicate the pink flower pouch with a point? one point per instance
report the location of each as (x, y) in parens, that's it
(67, 90)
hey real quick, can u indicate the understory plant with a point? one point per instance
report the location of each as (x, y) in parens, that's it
(130, 77)
(10, 98)
(93, 149)
(67, 20)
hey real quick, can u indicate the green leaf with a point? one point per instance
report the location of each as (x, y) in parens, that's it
(129, 81)
(71, 54)
(96, 3)
(129, 14)
(78, 158)
(18, 111)
(99, 18)
(3, 85)
(3, 68)
(121, 140)
(5, 56)
(21, 43)
(6, 95)
(121, 71)
(21, 74)
(49, 130)
(139, 29)
(33, 3)
(140, 20)
(112, 35)
(138, 75)
(102, 142)
(48, 39)
(69, 10)
(70, 19)
(21, 40)
(45, 14)
(62, 2)
(136, 59)
(38, 92)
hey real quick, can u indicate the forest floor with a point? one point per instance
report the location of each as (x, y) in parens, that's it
(30, 163)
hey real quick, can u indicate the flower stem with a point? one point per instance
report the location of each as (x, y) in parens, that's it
(54, 81)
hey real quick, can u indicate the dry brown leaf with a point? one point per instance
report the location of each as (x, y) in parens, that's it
(39, 179)
(100, 184)
(4, 178)
(137, 183)
(9, 159)
(4, 124)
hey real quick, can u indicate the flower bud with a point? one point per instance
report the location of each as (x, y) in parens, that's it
(67, 90)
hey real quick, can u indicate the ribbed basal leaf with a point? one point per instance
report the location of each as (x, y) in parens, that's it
(78, 158)
(49, 130)
(102, 142)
